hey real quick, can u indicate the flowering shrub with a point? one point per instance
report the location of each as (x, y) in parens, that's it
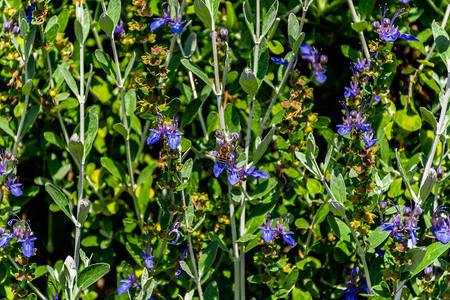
(211, 149)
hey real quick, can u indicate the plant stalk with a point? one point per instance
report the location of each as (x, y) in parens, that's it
(361, 34)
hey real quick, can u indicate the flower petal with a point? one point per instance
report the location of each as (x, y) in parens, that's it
(259, 174)
(173, 140)
(153, 138)
(288, 239)
(408, 37)
(157, 23)
(267, 235)
(123, 288)
(28, 248)
(218, 168)
(233, 178)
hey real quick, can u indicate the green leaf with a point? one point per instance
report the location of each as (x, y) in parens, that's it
(264, 187)
(76, 147)
(190, 45)
(54, 139)
(106, 24)
(360, 26)
(113, 167)
(63, 19)
(146, 173)
(82, 25)
(129, 66)
(245, 238)
(377, 237)
(214, 5)
(187, 170)
(259, 213)
(91, 274)
(16, 45)
(30, 118)
(275, 47)
(120, 128)
(416, 255)
(433, 252)
(298, 42)
(207, 258)
(113, 11)
(212, 291)
(408, 120)
(26, 89)
(442, 43)
(366, 7)
(106, 63)
(69, 80)
(203, 13)
(349, 52)
(4, 125)
(248, 82)
(231, 118)
(428, 117)
(197, 70)
(269, 18)
(307, 162)
(130, 103)
(261, 149)
(52, 29)
(249, 19)
(91, 128)
(29, 42)
(60, 199)
(337, 186)
(185, 267)
(340, 229)
(293, 29)
(190, 113)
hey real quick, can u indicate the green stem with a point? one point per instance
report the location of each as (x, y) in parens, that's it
(361, 34)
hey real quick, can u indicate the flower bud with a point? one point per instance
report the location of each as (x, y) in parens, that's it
(407, 211)
(383, 205)
(16, 29)
(84, 206)
(440, 173)
(234, 136)
(8, 155)
(6, 26)
(323, 59)
(417, 211)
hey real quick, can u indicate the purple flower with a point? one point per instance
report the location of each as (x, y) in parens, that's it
(175, 229)
(177, 25)
(441, 227)
(361, 64)
(379, 252)
(159, 22)
(353, 89)
(119, 29)
(14, 187)
(227, 151)
(428, 271)
(173, 134)
(352, 292)
(377, 98)
(411, 221)
(127, 283)
(159, 133)
(317, 61)
(387, 31)
(27, 241)
(280, 61)
(167, 130)
(368, 139)
(404, 1)
(359, 120)
(345, 128)
(240, 174)
(31, 8)
(148, 258)
(184, 250)
(3, 164)
(285, 234)
(6, 237)
(394, 226)
(268, 232)
(223, 35)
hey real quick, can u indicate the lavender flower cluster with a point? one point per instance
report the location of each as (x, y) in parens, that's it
(228, 154)
(406, 233)
(166, 130)
(269, 233)
(23, 234)
(7, 159)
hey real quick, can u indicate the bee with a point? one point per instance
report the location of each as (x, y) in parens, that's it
(223, 154)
